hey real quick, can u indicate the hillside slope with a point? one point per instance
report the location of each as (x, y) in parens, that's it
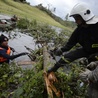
(26, 11)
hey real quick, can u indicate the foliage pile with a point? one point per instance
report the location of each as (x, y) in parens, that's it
(29, 83)
(16, 82)
(44, 32)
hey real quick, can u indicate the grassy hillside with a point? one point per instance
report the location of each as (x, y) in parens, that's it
(26, 11)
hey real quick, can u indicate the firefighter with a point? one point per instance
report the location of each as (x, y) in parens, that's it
(5, 51)
(90, 77)
(86, 34)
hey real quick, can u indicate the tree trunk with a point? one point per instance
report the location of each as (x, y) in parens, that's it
(46, 63)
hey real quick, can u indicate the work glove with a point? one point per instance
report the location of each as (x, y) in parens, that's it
(93, 75)
(55, 52)
(92, 66)
(83, 61)
(13, 50)
(84, 75)
(58, 52)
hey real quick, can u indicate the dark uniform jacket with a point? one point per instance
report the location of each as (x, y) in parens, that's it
(87, 37)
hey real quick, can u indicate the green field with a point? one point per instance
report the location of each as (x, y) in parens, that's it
(26, 11)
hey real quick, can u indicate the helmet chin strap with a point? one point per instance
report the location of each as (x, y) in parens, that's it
(90, 18)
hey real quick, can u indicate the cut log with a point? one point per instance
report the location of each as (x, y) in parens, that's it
(45, 64)
(49, 84)
(26, 63)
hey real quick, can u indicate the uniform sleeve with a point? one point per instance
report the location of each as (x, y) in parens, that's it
(93, 76)
(3, 54)
(71, 42)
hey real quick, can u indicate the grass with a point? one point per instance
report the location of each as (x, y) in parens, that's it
(26, 11)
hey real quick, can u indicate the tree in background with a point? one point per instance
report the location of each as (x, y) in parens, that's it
(20, 0)
(66, 17)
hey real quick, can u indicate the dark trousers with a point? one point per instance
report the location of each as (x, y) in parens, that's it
(69, 57)
(93, 90)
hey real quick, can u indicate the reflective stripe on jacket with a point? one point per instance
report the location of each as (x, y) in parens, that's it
(2, 59)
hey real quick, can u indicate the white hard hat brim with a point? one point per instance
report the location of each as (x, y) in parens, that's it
(94, 20)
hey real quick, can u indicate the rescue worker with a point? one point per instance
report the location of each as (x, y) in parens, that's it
(91, 78)
(86, 34)
(5, 51)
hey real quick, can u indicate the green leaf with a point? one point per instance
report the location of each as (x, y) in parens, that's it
(17, 93)
(6, 75)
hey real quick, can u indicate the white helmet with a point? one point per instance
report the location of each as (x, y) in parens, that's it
(84, 11)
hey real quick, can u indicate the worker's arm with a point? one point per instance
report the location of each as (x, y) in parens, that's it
(93, 75)
(71, 42)
(3, 54)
